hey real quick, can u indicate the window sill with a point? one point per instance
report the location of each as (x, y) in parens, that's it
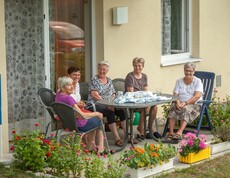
(177, 59)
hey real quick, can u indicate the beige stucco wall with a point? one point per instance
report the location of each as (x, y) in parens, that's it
(141, 36)
(5, 145)
(215, 40)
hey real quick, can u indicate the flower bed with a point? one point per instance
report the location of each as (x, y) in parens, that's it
(34, 153)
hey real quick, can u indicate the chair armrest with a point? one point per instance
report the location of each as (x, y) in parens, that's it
(205, 101)
(90, 104)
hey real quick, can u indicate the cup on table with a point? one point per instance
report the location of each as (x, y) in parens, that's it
(158, 91)
(119, 94)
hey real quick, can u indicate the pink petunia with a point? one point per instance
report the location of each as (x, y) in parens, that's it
(183, 143)
(190, 135)
(202, 145)
(190, 142)
(203, 137)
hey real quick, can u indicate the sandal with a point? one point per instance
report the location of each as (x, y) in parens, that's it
(169, 137)
(119, 143)
(140, 137)
(177, 137)
(106, 152)
(135, 141)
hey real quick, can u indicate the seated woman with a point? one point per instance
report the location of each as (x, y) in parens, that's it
(92, 119)
(137, 81)
(189, 89)
(75, 74)
(101, 87)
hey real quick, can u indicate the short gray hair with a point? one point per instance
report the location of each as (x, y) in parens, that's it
(103, 63)
(190, 64)
(140, 60)
(63, 81)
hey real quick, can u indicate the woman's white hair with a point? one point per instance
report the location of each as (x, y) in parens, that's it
(104, 63)
(63, 81)
(190, 64)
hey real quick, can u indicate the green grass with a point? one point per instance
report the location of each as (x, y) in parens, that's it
(218, 167)
(12, 172)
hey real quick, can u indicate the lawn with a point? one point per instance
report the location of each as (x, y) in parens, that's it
(218, 167)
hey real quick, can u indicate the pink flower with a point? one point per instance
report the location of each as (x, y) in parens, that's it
(183, 143)
(190, 142)
(190, 135)
(36, 124)
(203, 137)
(202, 145)
(131, 148)
(180, 150)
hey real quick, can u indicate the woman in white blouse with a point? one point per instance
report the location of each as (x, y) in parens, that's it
(189, 89)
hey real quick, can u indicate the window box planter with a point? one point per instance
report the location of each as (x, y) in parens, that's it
(145, 172)
(219, 147)
(192, 157)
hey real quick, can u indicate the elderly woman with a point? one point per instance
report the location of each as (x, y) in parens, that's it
(138, 81)
(189, 89)
(91, 119)
(101, 87)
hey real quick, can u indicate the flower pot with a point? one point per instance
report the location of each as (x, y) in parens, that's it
(145, 172)
(219, 147)
(193, 157)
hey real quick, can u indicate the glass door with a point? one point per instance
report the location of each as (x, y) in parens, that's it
(68, 26)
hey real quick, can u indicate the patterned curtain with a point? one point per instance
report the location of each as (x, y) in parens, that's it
(166, 27)
(25, 59)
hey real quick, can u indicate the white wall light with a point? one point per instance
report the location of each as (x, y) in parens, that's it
(120, 15)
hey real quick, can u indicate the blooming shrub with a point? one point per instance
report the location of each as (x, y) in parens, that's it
(29, 150)
(150, 155)
(192, 144)
(33, 152)
(219, 110)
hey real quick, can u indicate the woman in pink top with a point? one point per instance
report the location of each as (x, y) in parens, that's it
(92, 119)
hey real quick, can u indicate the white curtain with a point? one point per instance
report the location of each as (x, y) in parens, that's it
(166, 27)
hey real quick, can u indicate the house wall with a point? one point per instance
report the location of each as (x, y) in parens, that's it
(4, 136)
(215, 40)
(141, 36)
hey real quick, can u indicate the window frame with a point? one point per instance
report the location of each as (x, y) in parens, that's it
(180, 58)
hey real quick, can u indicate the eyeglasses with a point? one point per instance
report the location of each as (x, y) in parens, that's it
(188, 71)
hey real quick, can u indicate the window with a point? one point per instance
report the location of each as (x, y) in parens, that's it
(176, 31)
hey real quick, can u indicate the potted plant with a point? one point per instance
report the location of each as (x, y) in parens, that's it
(148, 160)
(193, 148)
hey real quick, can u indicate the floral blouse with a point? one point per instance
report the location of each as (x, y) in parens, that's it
(104, 90)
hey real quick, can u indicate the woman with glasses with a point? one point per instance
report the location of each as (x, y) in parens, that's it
(189, 89)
